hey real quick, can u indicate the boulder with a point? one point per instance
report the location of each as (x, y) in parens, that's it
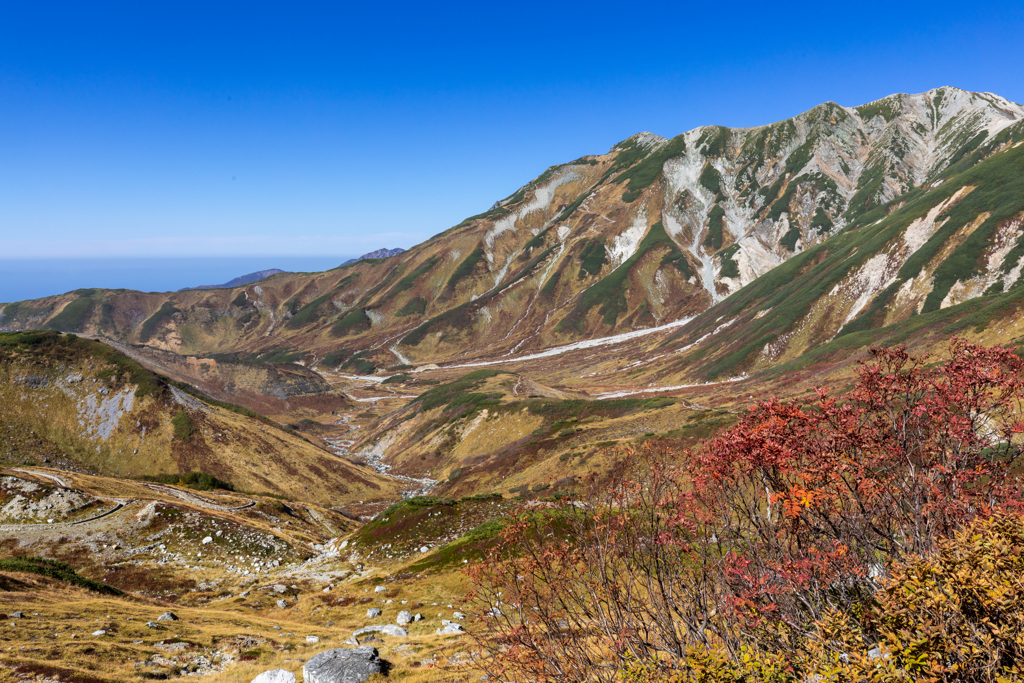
(312, 639)
(452, 629)
(343, 665)
(152, 624)
(373, 612)
(208, 540)
(458, 616)
(280, 588)
(388, 630)
(101, 632)
(167, 616)
(404, 618)
(417, 617)
(275, 676)
(281, 604)
(379, 589)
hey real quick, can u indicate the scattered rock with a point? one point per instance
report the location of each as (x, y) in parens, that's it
(17, 615)
(101, 632)
(379, 589)
(352, 641)
(280, 588)
(452, 629)
(152, 624)
(417, 617)
(281, 604)
(312, 639)
(424, 549)
(458, 616)
(404, 618)
(373, 612)
(388, 630)
(343, 666)
(275, 676)
(167, 616)
(208, 540)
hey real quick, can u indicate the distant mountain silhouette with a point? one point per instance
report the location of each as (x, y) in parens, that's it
(241, 280)
(380, 253)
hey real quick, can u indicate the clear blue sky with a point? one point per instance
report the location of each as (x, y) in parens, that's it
(189, 129)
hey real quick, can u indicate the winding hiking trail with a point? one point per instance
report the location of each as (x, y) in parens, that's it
(198, 501)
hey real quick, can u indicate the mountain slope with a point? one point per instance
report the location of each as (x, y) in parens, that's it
(91, 408)
(653, 231)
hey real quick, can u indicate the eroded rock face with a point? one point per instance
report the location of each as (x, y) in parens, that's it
(343, 665)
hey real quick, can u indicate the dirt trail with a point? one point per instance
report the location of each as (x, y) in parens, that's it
(41, 529)
(198, 501)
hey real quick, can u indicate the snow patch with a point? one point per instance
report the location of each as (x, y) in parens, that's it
(625, 244)
(586, 344)
(542, 197)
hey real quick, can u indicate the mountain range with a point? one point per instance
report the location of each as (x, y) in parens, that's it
(786, 236)
(370, 430)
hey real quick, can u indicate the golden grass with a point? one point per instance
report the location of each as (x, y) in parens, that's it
(55, 611)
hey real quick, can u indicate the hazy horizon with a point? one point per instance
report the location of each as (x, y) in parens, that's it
(30, 278)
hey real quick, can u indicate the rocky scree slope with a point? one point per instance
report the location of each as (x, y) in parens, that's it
(653, 231)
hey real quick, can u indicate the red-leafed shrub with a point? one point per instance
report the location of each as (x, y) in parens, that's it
(796, 512)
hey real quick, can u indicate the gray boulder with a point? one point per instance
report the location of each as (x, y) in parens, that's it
(275, 676)
(404, 618)
(388, 630)
(459, 616)
(167, 616)
(343, 665)
(281, 604)
(452, 629)
(373, 612)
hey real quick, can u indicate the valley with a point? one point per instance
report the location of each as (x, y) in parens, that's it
(273, 460)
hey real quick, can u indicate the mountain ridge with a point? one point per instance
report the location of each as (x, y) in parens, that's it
(246, 279)
(652, 231)
(381, 253)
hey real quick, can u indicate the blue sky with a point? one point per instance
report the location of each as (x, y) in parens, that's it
(213, 129)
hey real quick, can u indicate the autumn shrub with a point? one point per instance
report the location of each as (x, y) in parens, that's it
(951, 616)
(758, 541)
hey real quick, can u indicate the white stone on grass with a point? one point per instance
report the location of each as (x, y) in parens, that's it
(388, 630)
(275, 676)
(343, 665)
